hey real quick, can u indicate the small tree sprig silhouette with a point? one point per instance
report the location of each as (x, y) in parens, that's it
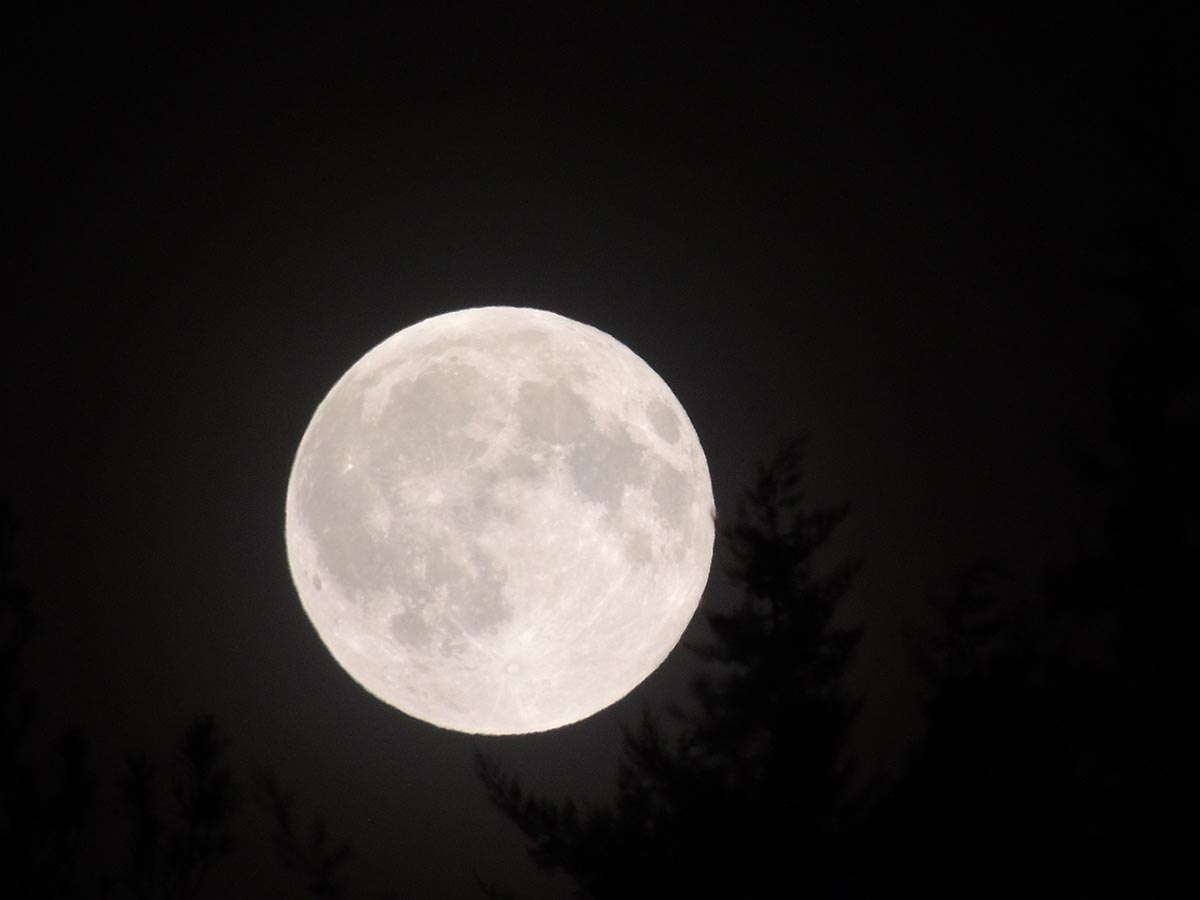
(317, 859)
(172, 851)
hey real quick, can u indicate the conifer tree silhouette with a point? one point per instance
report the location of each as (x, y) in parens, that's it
(317, 860)
(174, 847)
(171, 825)
(1057, 747)
(740, 798)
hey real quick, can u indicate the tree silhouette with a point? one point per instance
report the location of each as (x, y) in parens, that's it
(44, 815)
(173, 825)
(1133, 592)
(172, 851)
(317, 860)
(1058, 743)
(17, 622)
(742, 797)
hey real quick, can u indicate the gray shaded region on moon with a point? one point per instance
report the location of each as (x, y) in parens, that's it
(499, 520)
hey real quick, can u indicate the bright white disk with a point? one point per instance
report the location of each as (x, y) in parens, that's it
(500, 520)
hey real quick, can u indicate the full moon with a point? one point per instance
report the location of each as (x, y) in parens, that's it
(500, 520)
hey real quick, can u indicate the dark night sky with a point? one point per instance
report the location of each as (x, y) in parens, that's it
(879, 230)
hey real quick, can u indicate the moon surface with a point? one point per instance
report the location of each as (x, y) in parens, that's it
(500, 520)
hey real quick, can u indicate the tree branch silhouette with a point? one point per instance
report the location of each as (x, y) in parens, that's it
(173, 850)
(316, 859)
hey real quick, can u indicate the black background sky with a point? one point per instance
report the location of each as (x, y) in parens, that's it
(886, 230)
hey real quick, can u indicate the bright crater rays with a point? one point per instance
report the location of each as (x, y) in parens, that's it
(500, 520)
